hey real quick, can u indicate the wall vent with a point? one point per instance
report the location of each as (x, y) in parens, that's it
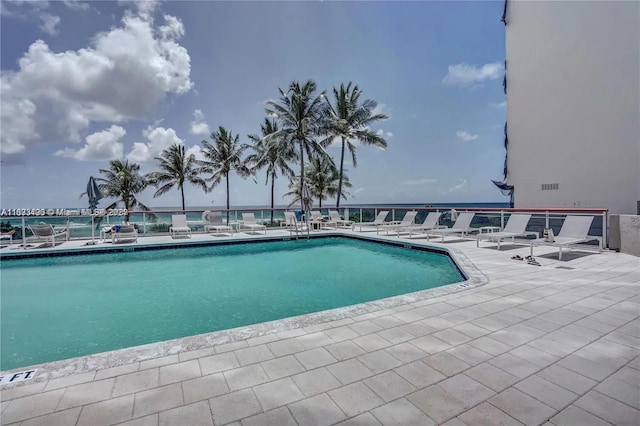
(550, 186)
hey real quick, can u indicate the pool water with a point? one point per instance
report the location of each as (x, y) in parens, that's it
(61, 307)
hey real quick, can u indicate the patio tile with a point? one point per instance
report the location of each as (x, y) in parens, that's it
(151, 420)
(278, 393)
(198, 353)
(417, 329)
(285, 347)
(365, 419)
(136, 382)
(389, 386)
(158, 362)
(437, 403)
(608, 409)
(430, 344)
(586, 367)
(451, 337)
(546, 392)
(345, 350)
(551, 347)
(466, 389)
(318, 410)
(387, 321)
(261, 340)
(314, 340)
(291, 333)
(315, 381)
(469, 354)
(315, 358)
(534, 356)
(355, 399)
(629, 375)
(379, 361)
(471, 330)
(107, 412)
(365, 327)
(198, 414)
(406, 352)
(230, 347)
(486, 414)
(371, 342)
(245, 377)
(395, 335)
(85, 394)
(217, 363)
(522, 407)
(156, 400)
(492, 376)
(349, 371)
(419, 374)
(572, 416)
(514, 365)
(278, 417)
(179, 372)
(21, 391)
(204, 388)
(401, 412)
(253, 354)
(66, 417)
(516, 335)
(121, 370)
(446, 363)
(234, 406)
(490, 346)
(622, 391)
(68, 381)
(340, 334)
(281, 367)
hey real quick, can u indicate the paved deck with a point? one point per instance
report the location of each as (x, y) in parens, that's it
(556, 344)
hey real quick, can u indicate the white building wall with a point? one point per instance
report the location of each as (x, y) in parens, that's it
(573, 103)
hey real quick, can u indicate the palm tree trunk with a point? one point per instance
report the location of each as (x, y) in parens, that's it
(301, 172)
(228, 213)
(273, 190)
(340, 180)
(182, 193)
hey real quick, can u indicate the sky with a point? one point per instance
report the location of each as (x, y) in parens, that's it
(83, 83)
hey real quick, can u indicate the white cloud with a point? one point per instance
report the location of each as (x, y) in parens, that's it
(198, 125)
(49, 23)
(357, 191)
(76, 5)
(159, 140)
(386, 135)
(426, 181)
(197, 151)
(465, 136)
(381, 109)
(499, 105)
(145, 8)
(100, 146)
(464, 75)
(460, 187)
(122, 75)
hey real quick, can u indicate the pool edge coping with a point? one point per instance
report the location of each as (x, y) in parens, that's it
(120, 357)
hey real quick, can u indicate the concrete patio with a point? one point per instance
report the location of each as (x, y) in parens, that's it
(556, 344)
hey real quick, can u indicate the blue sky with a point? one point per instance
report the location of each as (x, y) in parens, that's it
(83, 83)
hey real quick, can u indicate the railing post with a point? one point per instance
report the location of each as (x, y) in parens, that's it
(144, 222)
(24, 233)
(546, 220)
(393, 214)
(605, 224)
(360, 214)
(501, 219)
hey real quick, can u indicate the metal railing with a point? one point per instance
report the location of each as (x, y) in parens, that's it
(157, 222)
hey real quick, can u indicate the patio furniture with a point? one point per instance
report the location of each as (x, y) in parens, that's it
(124, 233)
(430, 222)
(575, 230)
(179, 226)
(461, 226)
(377, 222)
(213, 220)
(46, 232)
(250, 222)
(516, 227)
(340, 223)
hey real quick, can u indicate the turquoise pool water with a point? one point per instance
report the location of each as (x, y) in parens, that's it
(61, 307)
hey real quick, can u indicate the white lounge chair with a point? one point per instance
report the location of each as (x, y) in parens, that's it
(377, 222)
(461, 226)
(430, 222)
(179, 226)
(340, 223)
(289, 218)
(516, 227)
(250, 222)
(406, 221)
(575, 229)
(318, 221)
(121, 233)
(213, 220)
(45, 232)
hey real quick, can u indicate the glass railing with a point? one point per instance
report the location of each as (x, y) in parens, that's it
(157, 222)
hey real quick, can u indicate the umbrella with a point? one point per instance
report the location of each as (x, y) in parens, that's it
(306, 200)
(95, 194)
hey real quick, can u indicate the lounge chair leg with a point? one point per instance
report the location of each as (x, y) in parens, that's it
(560, 254)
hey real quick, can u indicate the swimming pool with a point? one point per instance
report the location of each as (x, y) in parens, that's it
(61, 307)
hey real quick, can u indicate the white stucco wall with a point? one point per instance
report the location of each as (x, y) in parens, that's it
(573, 103)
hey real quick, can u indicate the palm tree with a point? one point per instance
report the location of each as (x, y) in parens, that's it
(175, 169)
(274, 155)
(222, 156)
(322, 178)
(349, 121)
(123, 181)
(300, 112)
